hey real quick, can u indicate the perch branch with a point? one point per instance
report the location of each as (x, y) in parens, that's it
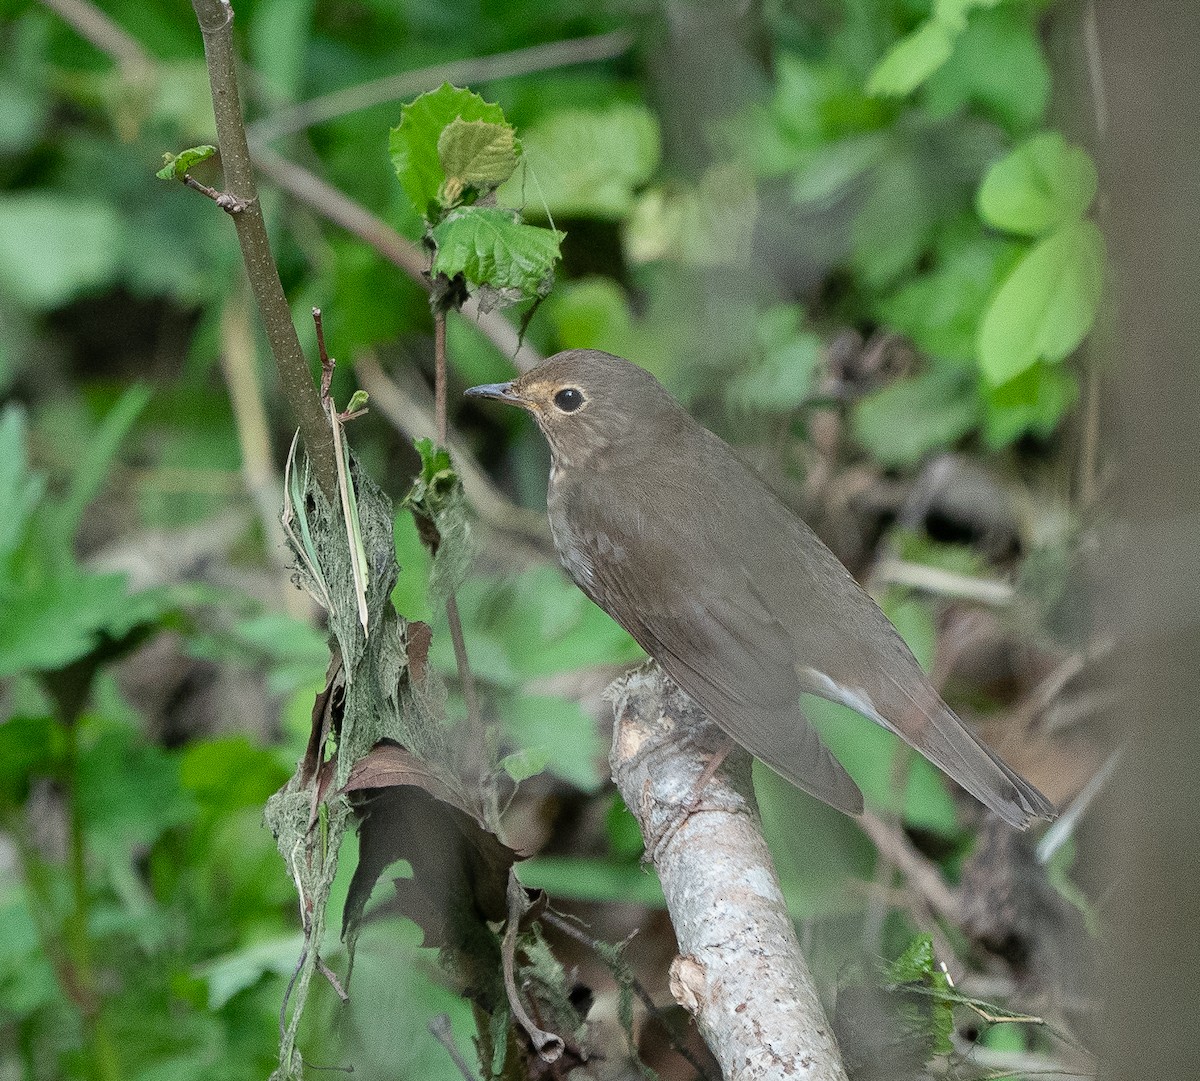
(740, 971)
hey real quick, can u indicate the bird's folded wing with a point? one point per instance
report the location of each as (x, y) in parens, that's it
(728, 653)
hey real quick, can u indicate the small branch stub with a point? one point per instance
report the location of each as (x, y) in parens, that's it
(740, 972)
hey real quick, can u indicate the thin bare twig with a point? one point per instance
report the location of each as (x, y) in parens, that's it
(94, 26)
(439, 377)
(462, 662)
(943, 583)
(439, 1026)
(216, 25)
(548, 1046)
(554, 54)
(635, 985)
(922, 875)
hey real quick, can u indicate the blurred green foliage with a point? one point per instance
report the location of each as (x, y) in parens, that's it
(899, 154)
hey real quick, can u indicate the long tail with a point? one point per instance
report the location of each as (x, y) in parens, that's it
(940, 736)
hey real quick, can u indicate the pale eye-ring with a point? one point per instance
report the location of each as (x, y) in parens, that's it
(569, 399)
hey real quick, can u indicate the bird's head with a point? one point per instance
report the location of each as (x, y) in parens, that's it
(586, 402)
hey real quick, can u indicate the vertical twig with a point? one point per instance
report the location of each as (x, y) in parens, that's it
(216, 24)
(462, 662)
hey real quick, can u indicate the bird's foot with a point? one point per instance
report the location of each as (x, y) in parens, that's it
(657, 844)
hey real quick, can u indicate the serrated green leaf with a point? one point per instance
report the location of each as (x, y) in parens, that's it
(916, 964)
(477, 153)
(1042, 184)
(492, 247)
(1046, 305)
(413, 143)
(909, 418)
(913, 59)
(175, 165)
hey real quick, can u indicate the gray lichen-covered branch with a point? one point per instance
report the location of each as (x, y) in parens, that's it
(740, 971)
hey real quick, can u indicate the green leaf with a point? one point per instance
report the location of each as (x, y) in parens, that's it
(175, 165)
(918, 965)
(586, 162)
(1033, 402)
(29, 746)
(59, 621)
(476, 153)
(997, 66)
(941, 310)
(129, 790)
(869, 754)
(536, 624)
(493, 248)
(56, 247)
(1046, 306)
(20, 491)
(587, 879)
(895, 223)
(560, 733)
(906, 420)
(414, 141)
(95, 463)
(1042, 184)
(954, 12)
(788, 357)
(913, 59)
(523, 764)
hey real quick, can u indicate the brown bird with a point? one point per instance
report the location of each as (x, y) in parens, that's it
(659, 522)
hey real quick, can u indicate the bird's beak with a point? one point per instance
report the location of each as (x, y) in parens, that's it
(502, 392)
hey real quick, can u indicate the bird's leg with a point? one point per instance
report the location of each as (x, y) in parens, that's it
(664, 836)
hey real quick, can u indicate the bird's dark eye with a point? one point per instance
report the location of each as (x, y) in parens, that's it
(569, 399)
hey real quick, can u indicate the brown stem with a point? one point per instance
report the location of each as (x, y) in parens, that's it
(465, 675)
(472, 71)
(216, 22)
(439, 376)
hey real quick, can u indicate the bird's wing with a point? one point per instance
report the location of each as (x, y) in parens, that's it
(849, 652)
(722, 647)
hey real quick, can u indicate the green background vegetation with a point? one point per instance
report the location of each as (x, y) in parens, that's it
(875, 221)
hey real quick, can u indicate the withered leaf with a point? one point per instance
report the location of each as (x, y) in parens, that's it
(460, 868)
